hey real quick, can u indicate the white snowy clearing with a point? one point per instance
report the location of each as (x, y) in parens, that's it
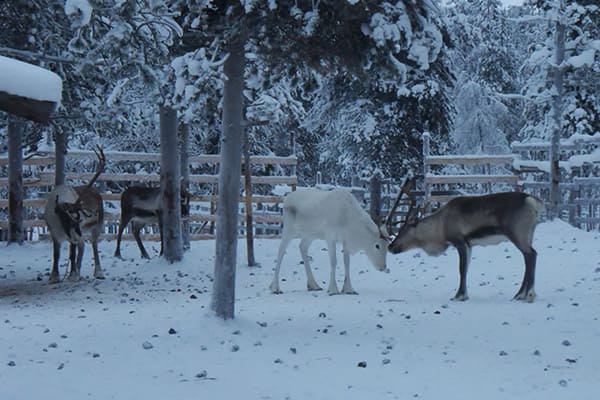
(146, 332)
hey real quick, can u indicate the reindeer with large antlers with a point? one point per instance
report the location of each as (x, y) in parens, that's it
(466, 221)
(73, 213)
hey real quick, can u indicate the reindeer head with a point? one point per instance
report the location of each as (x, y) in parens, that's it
(70, 216)
(377, 252)
(405, 238)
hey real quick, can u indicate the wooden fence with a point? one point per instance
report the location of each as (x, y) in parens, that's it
(526, 169)
(39, 178)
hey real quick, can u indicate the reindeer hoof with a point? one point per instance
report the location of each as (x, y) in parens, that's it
(460, 297)
(53, 279)
(314, 288)
(275, 288)
(527, 297)
(333, 291)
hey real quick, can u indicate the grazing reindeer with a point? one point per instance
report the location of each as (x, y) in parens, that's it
(72, 213)
(476, 220)
(333, 216)
(142, 206)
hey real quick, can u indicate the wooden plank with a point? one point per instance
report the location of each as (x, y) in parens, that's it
(468, 159)
(440, 198)
(28, 223)
(122, 177)
(448, 179)
(594, 181)
(26, 182)
(546, 185)
(36, 203)
(586, 202)
(47, 158)
(255, 198)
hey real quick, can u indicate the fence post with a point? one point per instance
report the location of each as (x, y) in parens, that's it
(15, 180)
(426, 167)
(248, 190)
(185, 181)
(375, 199)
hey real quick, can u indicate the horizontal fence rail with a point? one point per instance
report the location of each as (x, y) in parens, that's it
(266, 210)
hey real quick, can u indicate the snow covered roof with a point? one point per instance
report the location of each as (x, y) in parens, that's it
(28, 90)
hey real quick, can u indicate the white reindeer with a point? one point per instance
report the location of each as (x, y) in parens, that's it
(333, 216)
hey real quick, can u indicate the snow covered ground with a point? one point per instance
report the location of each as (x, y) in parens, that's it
(146, 332)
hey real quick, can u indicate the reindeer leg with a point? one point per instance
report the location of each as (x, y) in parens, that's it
(137, 227)
(464, 255)
(333, 289)
(76, 256)
(527, 292)
(285, 241)
(98, 274)
(54, 276)
(347, 288)
(311, 283)
(122, 226)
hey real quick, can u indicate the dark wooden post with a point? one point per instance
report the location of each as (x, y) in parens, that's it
(60, 155)
(185, 180)
(15, 179)
(375, 203)
(248, 189)
(426, 168)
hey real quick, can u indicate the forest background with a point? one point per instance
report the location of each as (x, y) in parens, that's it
(352, 83)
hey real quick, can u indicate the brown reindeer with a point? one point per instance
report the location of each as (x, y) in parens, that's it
(467, 221)
(73, 213)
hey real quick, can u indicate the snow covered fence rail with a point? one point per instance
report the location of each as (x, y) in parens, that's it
(266, 215)
(441, 187)
(579, 163)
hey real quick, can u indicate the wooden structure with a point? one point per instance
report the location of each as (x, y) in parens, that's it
(203, 187)
(528, 169)
(440, 187)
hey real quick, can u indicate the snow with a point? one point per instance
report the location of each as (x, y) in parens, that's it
(147, 332)
(80, 10)
(30, 81)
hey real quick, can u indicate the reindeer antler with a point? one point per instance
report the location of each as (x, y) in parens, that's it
(101, 164)
(407, 186)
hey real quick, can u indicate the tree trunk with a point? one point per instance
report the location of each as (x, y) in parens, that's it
(169, 185)
(229, 183)
(60, 152)
(185, 180)
(557, 105)
(15, 181)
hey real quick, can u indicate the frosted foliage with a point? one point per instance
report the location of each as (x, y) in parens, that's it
(478, 125)
(198, 78)
(581, 73)
(79, 10)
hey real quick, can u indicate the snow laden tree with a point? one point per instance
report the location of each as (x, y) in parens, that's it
(125, 48)
(372, 111)
(333, 38)
(562, 89)
(486, 60)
